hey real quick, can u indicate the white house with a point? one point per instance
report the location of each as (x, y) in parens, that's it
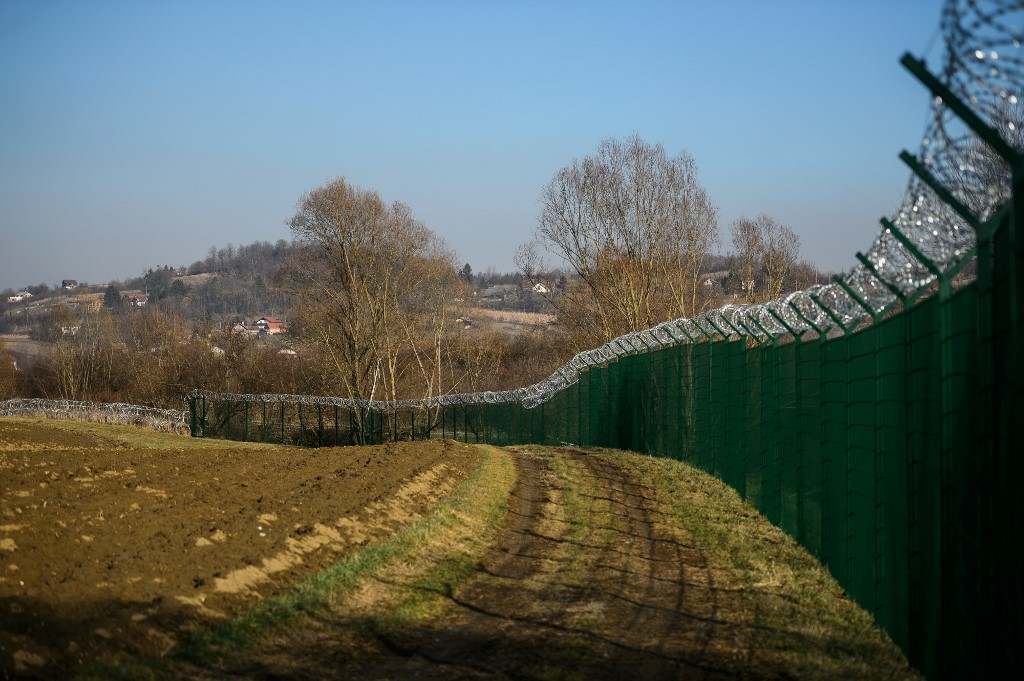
(272, 325)
(540, 289)
(134, 298)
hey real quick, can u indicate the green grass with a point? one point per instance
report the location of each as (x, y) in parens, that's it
(449, 548)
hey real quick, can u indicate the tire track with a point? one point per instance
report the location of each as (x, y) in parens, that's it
(605, 596)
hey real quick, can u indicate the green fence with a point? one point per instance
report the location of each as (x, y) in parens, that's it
(886, 445)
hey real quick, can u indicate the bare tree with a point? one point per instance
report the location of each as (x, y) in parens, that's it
(370, 279)
(634, 226)
(781, 250)
(746, 240)
(83, 358)
(766, 252)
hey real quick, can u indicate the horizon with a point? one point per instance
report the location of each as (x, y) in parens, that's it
(141, 136)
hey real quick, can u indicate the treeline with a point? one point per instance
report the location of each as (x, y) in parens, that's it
(232, 283)
(154, 358)
(248, 261)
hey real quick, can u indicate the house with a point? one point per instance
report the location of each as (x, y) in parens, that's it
(134, 298)
(19, 296)
(271, 325)
(69, 284)
(540, 289)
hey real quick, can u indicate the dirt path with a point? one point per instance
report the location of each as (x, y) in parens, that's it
(610, 600)
(585, 580)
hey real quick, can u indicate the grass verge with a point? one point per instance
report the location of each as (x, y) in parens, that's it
(121, 435)
(804, 620)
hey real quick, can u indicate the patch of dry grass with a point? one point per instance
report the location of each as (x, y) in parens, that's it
(792, 596)
(129, 436)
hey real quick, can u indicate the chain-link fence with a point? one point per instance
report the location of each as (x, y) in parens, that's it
(873, 418)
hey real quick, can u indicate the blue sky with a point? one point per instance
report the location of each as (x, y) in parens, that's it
(141, 133)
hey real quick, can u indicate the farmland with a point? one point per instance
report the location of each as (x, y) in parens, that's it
(138, 554)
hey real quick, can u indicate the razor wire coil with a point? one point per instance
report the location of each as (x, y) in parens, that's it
(118, 412)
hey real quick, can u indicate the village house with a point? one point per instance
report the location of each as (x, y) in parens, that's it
(271, 325)
(69, 284)
(19, 296)
(134, 298)
(540, 289)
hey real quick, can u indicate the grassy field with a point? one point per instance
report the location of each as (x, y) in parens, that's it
(208, 559)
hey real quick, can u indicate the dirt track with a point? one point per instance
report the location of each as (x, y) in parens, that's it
(588, 582)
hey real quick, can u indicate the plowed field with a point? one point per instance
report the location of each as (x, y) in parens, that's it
(120, 539)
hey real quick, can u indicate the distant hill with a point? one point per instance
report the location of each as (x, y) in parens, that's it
(234, 282)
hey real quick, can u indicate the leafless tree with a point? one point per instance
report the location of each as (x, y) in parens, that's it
(766, 252)
(634, 226)
(84, 358)
(749, 247)
(371, 282)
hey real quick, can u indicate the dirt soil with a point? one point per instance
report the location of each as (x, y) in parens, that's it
(124, 543)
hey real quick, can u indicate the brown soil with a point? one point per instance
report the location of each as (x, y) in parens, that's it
(122, 544)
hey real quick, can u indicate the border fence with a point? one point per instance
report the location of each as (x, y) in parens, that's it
(875, 419)
(173, 420)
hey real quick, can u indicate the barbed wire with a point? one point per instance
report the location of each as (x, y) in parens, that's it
(170, 419)
(983, 64)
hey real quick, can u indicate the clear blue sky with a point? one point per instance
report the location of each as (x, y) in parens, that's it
(141, 133)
